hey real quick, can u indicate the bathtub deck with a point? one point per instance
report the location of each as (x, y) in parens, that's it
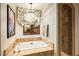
(34, 51)
(48, 49)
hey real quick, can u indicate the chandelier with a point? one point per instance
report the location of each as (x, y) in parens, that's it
(29, 17)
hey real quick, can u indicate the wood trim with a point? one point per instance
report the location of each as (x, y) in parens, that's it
(73, 26)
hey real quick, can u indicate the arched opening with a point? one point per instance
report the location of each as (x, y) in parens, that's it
(66, 29)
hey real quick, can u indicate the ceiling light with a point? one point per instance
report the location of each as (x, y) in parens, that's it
(29, 17)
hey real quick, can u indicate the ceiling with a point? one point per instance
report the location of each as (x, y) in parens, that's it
(37, 6)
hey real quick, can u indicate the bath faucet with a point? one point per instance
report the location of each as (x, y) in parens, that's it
(31, 43)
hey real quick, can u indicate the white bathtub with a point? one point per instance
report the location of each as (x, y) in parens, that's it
(30, 45)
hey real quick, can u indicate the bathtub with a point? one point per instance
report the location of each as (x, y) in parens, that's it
(29, 45)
